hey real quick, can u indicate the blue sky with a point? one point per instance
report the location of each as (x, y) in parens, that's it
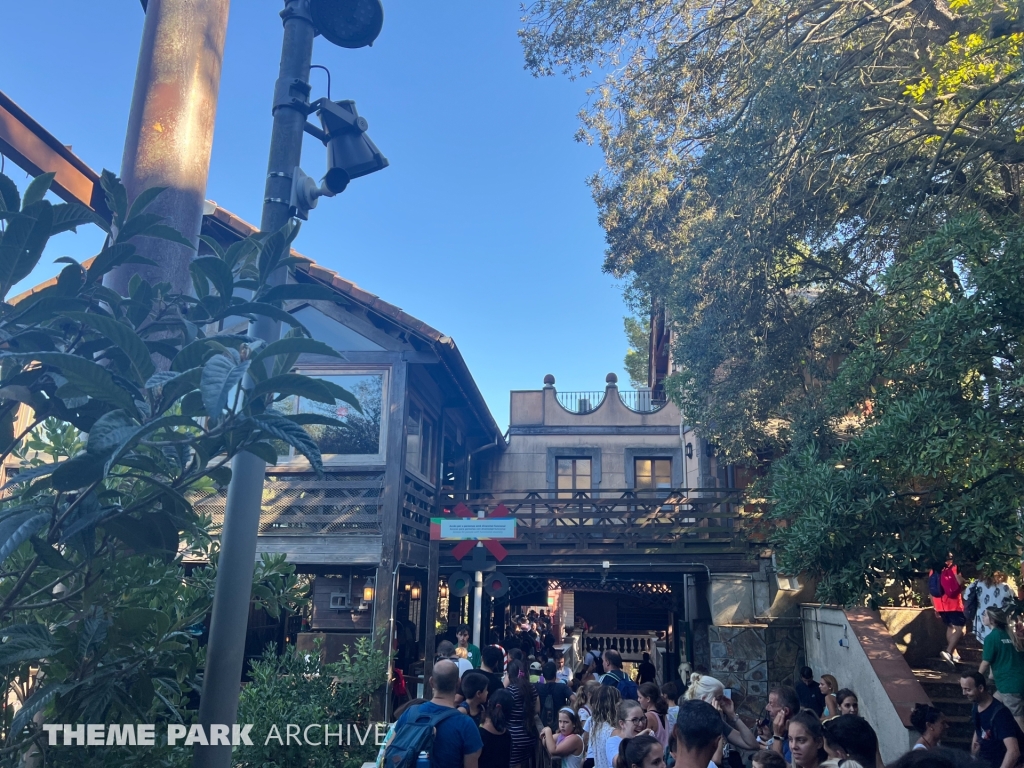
(483, 226)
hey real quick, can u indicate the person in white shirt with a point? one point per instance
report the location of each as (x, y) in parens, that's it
(446, 650)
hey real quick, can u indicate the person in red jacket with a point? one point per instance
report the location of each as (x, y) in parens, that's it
(949, 606)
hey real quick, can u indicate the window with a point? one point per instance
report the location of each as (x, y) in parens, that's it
(652, 473)
(360, 437)
(573, 474)
(420, 436)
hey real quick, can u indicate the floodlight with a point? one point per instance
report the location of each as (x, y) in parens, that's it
(350, 153)
(348, 23)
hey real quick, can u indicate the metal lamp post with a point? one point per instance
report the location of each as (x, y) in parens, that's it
(350, 24)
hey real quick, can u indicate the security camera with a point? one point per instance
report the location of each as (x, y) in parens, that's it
(350, 152)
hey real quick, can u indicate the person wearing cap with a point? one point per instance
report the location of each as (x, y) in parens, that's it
(535, 671)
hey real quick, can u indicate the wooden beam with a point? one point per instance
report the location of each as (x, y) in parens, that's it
(37, 151)
(430, 622)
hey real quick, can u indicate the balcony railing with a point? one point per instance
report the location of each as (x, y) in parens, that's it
(640, 401)
(551, 523)
(298, 504)
(580, 402)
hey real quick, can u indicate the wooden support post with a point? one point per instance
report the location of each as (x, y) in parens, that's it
(430, 628)
(391, 515)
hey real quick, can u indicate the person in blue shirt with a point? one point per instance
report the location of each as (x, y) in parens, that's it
(457, 743)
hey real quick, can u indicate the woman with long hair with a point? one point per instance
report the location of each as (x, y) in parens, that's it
(1003, 653)
(849, 704)
(806, 742)
(829, 686)
(711, 690)
(849, 741)
(497, 751)
(525, 705)
(568, 744)
(656, 709)
(640, 752)
(605, 708)
(930, 723)
(632, 722)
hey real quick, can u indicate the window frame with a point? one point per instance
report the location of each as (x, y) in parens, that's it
(574, 475)
(674, 452)
(427, 413)
(654, 473)
(299, 462)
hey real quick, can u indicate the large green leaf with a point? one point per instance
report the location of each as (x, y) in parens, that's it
(10, 198)
(78, 472)
(69, 216)
(340, 393)
(122, 336)
(23, 533)
(144, 200)
(221, 374)
(267, 310)
(283, 429)
(110, 432)
(137, 226)
(296, 345)
(218, 272)
(22, 244)
(36, 190)
(36, 703)
(117, 197)
(293, 384)
(26, 642)
(114, 256)
(92, 379)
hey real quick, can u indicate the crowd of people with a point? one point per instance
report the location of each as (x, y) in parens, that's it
(520, 704)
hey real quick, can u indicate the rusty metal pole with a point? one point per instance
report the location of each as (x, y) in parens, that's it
(170, 128)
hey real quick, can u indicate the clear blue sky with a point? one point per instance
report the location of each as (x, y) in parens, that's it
(483, 226)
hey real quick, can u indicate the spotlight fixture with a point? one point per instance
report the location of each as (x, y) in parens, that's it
(348, 23)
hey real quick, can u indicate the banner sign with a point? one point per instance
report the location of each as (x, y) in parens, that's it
(472, 528)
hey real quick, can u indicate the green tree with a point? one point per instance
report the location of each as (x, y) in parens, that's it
(297, 687)
(96, 605)
(638, 356)
(780, 177)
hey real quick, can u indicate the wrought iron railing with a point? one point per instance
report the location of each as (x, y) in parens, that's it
(610, 521)
(641, 400)
(580, 402)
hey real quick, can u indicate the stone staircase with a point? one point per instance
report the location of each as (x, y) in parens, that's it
(942, 684)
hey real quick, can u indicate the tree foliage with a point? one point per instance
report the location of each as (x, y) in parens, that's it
(298, 687)
(802, 186)
(135, 406)
(637, 360)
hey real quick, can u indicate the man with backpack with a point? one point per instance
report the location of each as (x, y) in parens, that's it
(436, 727)
(945, 584)
(616, 677)
(552, 696)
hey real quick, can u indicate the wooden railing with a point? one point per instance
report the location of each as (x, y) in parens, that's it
(298, 504)
(419, 504)
(610, 521)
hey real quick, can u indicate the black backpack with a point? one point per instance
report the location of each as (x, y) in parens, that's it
(416, 735)
(548, 714)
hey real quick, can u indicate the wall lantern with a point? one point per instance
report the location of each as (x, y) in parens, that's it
(689, 450)
(408, 587)
(416, 591)
(442, 590)
(368, 590)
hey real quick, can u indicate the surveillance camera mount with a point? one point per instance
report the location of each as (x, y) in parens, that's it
(305, 194)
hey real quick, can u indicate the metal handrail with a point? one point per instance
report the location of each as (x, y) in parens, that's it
(641, 400)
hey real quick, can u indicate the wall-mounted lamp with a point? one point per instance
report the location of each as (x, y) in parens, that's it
(689, 450)
(368, 590)
(416, 592)
(408, 587)
(442, 590)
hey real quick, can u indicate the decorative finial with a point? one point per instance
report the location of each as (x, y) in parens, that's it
(549, 380)
(611, 378)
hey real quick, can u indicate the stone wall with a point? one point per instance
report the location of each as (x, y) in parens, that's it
(751, 658)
